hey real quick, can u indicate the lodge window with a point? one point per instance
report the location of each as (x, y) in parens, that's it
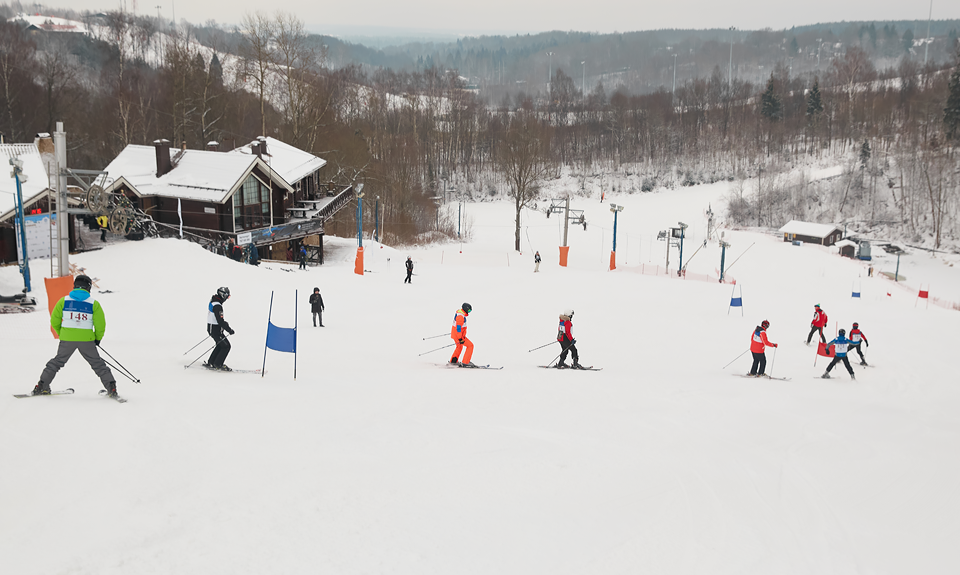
(251, 205)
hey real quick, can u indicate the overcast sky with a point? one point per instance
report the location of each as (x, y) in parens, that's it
(510, 16)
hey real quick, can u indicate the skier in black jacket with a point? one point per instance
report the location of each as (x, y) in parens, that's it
(216, 325)
(409, 265)
(316, 306)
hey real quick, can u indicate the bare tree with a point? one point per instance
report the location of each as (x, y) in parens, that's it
(523, 160)
(258, 52)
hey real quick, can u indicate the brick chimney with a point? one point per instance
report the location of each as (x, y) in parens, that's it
(163, 156)
(213, 146)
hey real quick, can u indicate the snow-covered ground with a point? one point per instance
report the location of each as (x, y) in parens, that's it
(377, 459)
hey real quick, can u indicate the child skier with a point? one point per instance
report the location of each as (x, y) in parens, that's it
(818, 323)
(841, 343)
(566, 340)
(216, 325)
(459, 334)
(758, 343)
(856, 336)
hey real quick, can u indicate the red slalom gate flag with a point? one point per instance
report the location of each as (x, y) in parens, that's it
(924, 294)
(824, 350)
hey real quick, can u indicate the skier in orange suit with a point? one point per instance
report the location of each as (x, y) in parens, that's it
(459, 334)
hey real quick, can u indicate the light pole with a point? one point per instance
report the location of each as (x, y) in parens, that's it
(583, 84)
(683, 227)
(819, 45)
(674, 92)
(926, 41)
(20, 177)
(359, 215)
(613, 254)
(376, 221)
(549, 69)
(723, 254)
(730, 74)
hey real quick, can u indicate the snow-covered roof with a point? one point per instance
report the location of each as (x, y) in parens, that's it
(50, 23)
(808, 229)
(293, 164)
(199, 174)
(845, 243)
(37, 180)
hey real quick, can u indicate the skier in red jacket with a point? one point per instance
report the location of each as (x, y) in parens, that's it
(857, 336)
(758, 343)
(818, 323)
(567, 343)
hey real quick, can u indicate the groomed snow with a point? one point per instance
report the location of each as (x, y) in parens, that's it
(379, 460)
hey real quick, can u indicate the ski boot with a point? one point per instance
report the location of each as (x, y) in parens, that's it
(41, 389)
(111, 389)
(468, 364)
(562, 365)
(863, 363)
(853, 377)
(223, 368)
(454, 360)
(826, 375)
(576, 365)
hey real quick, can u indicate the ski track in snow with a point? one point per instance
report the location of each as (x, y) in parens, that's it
(374, 460)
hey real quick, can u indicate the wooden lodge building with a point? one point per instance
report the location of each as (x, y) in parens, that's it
(811, 233)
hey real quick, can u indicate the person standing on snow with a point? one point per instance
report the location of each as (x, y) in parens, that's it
(216, 325)
(303, 257)
(409, 265)
(536, 262)
(79, 323)
(840, 343)
(856, 336)
(458, 332)
(758, 343)
(818, 323)
(566, 340)
(316, 306)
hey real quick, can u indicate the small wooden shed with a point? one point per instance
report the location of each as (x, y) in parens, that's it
(811, 233)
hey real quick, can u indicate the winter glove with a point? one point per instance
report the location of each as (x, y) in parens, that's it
(866, 342)
(460, 341)
(97, 341)
(573, 342)
(774, 345)
(231, 331)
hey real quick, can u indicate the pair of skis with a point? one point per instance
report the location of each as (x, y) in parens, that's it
(69, 391)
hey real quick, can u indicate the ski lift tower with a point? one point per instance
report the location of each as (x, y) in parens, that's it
(558, 206)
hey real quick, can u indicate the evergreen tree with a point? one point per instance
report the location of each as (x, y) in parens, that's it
(771, 107)
(864, 154)
(951, 112)
(907, 40)
(814, 100)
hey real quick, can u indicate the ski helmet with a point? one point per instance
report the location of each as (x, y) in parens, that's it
(568, 312)
(83, 282)
(467, 308)
(842, 332)
(223, 292)
(817, 306)
(855, 325)
(765, 324)
(316, 289)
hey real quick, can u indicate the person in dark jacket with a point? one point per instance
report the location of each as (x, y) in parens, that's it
(536, 262)
(409, 265)
(856, 338)
(316, 306)
(303, 257)
(216, 325)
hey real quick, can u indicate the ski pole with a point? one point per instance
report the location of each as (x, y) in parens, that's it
(774, 360)
(435, 336)
(438, 349)
(132, 377)
(541, 347)
(736, 358)
(559, 354)
(121, 372)
(194, 347)
(204, 353)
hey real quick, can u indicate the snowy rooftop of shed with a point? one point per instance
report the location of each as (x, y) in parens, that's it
(33, 168)
(293, 164)
(198, 175)
(845, 243)
(808, 229)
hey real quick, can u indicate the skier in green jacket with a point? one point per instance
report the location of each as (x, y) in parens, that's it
(79, 322)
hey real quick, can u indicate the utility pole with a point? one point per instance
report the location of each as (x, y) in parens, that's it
(674, 92)
(730, 74)
(566, 220)
(613, 254)
(723, 254)
(21, 232)
(63, 218)
(926, 41)
(683, 227)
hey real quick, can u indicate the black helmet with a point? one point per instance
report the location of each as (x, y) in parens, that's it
(83, 282)
(316, 289)
(855, 325)
(467, 307)
(842, 332)
(223, 292)
(765, 324)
